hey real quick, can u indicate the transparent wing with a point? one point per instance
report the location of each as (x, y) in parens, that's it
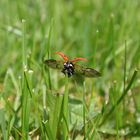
(87, 72)
(54, 64)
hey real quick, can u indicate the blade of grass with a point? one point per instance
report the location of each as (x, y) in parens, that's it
(45, 115)
(25, 109)
(84, 111)
(93, 130)
(48, 130)
(125, 57)
(65, 110)
(96, 46)
(3, 123)
(10, 75)
(124, 78)
(113, 96)
(41, 124)
(45, 122)
(56, 114)
(24, 60)
(47, 50)
(10, 126)
(28, 84)
(24, 89)
(117, 115)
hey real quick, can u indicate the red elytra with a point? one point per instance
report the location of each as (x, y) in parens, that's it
(67, 59)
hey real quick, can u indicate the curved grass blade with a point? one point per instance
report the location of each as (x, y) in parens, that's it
(121, 98)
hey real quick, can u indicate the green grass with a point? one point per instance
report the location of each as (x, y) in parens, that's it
(39, 102)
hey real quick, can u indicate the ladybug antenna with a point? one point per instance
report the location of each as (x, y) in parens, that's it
(78, 59)
(62, 55)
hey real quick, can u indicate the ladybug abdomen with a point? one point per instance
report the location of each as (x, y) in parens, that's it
(68, 69)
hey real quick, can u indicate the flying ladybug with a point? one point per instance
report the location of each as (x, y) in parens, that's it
(69, 68)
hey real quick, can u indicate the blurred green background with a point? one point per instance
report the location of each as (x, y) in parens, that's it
(98, 30)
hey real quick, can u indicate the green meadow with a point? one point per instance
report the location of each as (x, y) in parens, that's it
(40, 103)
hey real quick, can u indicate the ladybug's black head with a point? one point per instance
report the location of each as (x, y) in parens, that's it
(68, 68)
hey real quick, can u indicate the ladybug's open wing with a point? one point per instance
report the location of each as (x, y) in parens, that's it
(87, 72)
(54, 64)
